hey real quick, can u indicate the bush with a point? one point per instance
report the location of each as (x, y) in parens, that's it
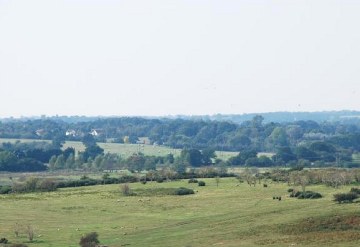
(290, 190)
(126, 191)
(355, 190)
(159, 180)
(192, 180)
(89, 240)
(6, 189)
(47, 184)
(3, 241)
(345, 197)
(183, 191)
(265, 185)
(201, 183)
(308, 195)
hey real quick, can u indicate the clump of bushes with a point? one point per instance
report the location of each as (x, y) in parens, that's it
(183, 191)
(305, 194)
(6, 189)
(3, 241)
(201, 183)
(193, 180)
(277, 198)
(355, 190)
(290, 190)
(160, 180)
(345, 197)
(89, 240)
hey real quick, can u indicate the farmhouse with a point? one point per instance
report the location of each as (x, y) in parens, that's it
(70, 133)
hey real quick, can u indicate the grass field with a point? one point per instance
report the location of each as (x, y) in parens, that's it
(228, 215)
(125, 150)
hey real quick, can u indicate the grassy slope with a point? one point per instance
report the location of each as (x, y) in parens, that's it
(229, 215)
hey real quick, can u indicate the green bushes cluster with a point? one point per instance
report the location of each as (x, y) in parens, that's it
(3, 241)
(33, 184)
(355, 190)
(183, 191)
(305, 195)
(89, 240)
(6, 189)
(345, 197)
(201, 183)
(193, 180)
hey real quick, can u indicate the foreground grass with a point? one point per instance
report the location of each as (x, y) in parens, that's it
(228, 215)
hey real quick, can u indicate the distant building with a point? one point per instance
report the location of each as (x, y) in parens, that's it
(40, 132)
(70, 133)
(95, 132)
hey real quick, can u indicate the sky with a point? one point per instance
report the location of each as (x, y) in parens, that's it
(170, 57)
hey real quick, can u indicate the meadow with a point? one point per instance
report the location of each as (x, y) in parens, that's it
(125, 150)
(230, 214)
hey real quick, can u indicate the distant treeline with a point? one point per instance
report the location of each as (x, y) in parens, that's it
(304, 142)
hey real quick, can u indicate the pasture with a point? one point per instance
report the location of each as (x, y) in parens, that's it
(125, 150)
(231, 214)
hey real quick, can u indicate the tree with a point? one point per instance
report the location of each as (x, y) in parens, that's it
(207, 155)
(70, 162)
(278, 137)
(89, 140)
(136, 162)
(7, 159)
(92, 151)
(241, 158)
(284, 154)
(52, 162)
(306, 154)
(192, 156)
(60, 162)
(179, 166)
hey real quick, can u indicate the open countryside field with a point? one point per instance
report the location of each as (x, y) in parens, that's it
(228, 215)
(125, 150)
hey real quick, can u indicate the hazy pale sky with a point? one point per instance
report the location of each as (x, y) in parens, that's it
(159, 57)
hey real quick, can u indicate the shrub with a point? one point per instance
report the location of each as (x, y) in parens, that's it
(290, 190)
(30, 232)
(265, 185)
(193, 180)
(201, 183)
(183, 191)
(126, 191)
(345, 197)
(308, 195)
(160, 180)
(355, 190)
(5, 189)
(47, 184)
(3, 241)
(89, 240)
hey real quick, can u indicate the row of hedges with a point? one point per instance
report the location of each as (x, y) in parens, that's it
(305, 195)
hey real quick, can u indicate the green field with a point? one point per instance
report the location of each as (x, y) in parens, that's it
(125, 150)
(228, 215)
